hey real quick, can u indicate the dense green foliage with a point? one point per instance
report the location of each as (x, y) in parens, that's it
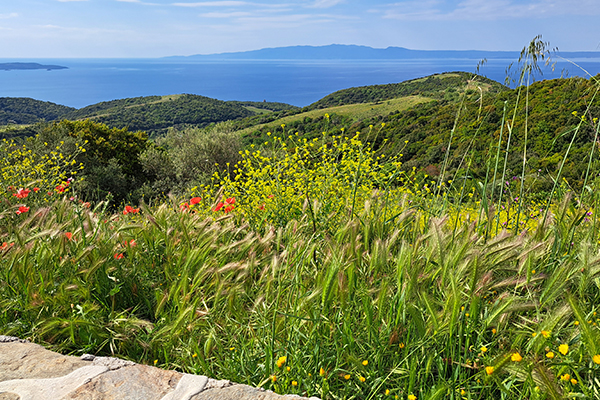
(21, 110)
(267, 106)
(153, 114)
(157, 113)
(111, 157)
(432, 86)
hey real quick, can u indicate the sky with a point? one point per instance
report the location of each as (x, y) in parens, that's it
(157, 28)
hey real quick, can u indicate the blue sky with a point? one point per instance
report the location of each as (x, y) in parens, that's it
(155, 28)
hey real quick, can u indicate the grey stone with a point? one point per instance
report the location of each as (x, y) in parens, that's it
(40, 389)
(188, 386)
(30, 372)
(137, 382)
(111, 362)
(28, 360)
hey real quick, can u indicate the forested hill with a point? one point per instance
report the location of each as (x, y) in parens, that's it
(160, 112)
(21, 110)
(152, 114)
(431, 86)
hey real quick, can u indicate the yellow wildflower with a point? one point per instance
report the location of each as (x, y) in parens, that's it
(563, 349)
(489, 370)
(294, 383)
(483, 349)
(322, 372)
(565, 377)
(546, 334)
(550, 354)
(596, 359)
(574, 381)
(365, 363)
(347, 376)
(361, 378)
(516, 357)
(387, 392)
(281, 361)
(412, 397)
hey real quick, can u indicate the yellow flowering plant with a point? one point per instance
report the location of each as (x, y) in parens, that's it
(29, 177)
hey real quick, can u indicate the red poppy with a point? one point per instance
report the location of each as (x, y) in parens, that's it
(35, 189)
(21, 193)
(195, 200)
(219, 206)
(132, 243)
(261, 207)
(22, 210)
(130, 210)
(229, 208)
(118, 256)
(230, 200)
(69, 235)
(184, 206)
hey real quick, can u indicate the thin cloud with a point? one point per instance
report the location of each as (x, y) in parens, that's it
(224, 3)
(237, 14)
(485, 10)
(7, 16)
(325, 3)
(138, 2)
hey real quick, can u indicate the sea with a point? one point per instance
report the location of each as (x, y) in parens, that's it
(296, 82)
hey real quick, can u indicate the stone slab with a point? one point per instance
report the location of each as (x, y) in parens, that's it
(31, 372)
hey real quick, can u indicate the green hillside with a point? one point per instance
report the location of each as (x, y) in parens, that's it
(155, 113)
(468, 108)
(435, 86)
(22, 110)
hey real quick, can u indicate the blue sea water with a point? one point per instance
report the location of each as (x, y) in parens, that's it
(89, 81)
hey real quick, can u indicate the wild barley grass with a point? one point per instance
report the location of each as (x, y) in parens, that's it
(300, 311)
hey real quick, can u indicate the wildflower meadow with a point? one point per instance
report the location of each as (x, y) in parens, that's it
(318, 266)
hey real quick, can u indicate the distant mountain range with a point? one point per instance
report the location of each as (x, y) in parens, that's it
(355, 52)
